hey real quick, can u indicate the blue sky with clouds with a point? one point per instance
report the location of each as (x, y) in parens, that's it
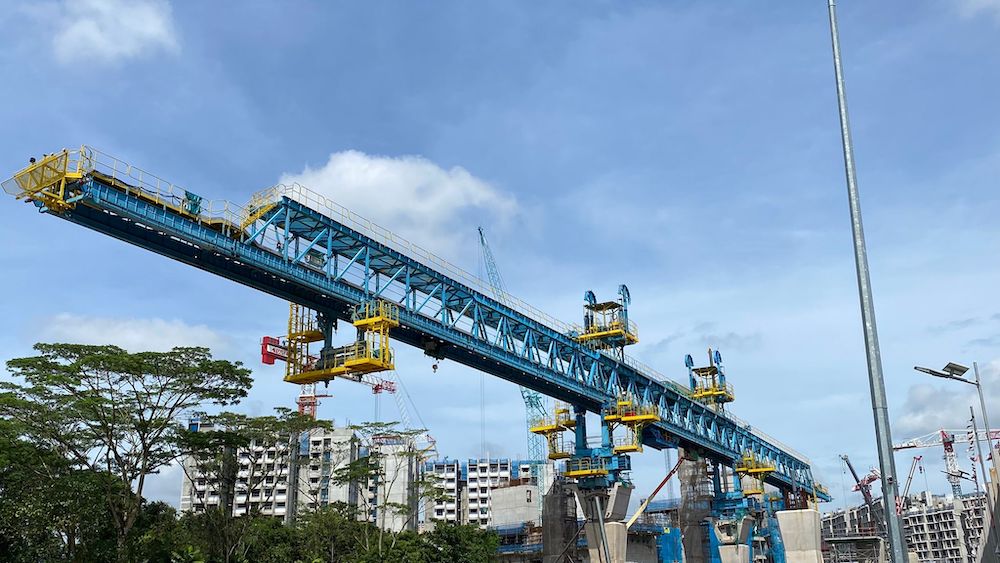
(688, 149)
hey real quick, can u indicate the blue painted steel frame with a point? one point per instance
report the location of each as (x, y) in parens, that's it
(439, 314)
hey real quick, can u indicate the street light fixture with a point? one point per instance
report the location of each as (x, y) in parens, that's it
(957, 372)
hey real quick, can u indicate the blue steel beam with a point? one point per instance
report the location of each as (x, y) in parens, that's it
(440, 314)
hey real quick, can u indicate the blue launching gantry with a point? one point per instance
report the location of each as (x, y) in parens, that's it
(301, 247)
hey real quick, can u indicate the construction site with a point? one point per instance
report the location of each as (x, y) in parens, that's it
(728, 491)
(744, 494)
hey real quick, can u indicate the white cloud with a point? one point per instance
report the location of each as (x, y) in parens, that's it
(410, 195)
(105, 31)
(135, 335)
(971, 8)
(932, 407)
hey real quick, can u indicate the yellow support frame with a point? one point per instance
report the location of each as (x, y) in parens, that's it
(718, 393)
(634, 417)
(46, 179)
(552, 427)
(370, 354)
(755, 468)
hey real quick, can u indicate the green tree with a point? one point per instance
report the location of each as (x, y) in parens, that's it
(241, 456)
(331, 533)
(47, 507)
(115, 413)
(390, 467)
(449, 542)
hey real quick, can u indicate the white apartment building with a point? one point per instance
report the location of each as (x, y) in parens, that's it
(469, 485)
(276, 479)
(394, 486)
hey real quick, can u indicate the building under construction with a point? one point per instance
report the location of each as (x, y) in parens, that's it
(939, 529)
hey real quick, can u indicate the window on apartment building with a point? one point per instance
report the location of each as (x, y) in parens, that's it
(527, 496)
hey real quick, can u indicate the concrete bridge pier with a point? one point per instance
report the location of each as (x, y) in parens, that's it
(800, 533)
(605, 510)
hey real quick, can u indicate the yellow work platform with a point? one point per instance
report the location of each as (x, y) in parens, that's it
(553, 426)
(585, 468)
(376, 315)
(350, 367)
(306, 336)
(641, 417)
(712, 392)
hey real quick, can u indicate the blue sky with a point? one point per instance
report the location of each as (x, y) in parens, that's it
(688, 149)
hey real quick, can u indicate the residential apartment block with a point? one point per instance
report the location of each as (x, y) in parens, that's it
(276, 479)
(469, 486)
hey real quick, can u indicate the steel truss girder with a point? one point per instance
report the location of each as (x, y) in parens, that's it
(470, 327)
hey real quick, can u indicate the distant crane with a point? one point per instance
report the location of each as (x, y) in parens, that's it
(864, 486)
(904, 498)
(947, 440)
(533, 403)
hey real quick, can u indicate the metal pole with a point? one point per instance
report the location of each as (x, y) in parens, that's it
(897, 543)
(986, 421)
(989, 497)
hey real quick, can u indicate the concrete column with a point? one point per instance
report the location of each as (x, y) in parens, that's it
(696, 495)
(617, 535)
(800, 532)
(734, 553)
(558, 524)
(612, 503)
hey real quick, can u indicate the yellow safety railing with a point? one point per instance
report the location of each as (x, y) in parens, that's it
(624, 412)
(559, 446)
(46, 179)
(751, 464)
(562, 419)
(302, 324)
(376, 312)
(585, 466)
(712, 390)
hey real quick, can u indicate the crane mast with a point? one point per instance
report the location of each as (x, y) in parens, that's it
(534, 405)
(864, 486)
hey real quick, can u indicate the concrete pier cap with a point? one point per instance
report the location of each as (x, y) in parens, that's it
(800, 533)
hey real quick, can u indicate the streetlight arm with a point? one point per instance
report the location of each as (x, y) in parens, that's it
(943, 375)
